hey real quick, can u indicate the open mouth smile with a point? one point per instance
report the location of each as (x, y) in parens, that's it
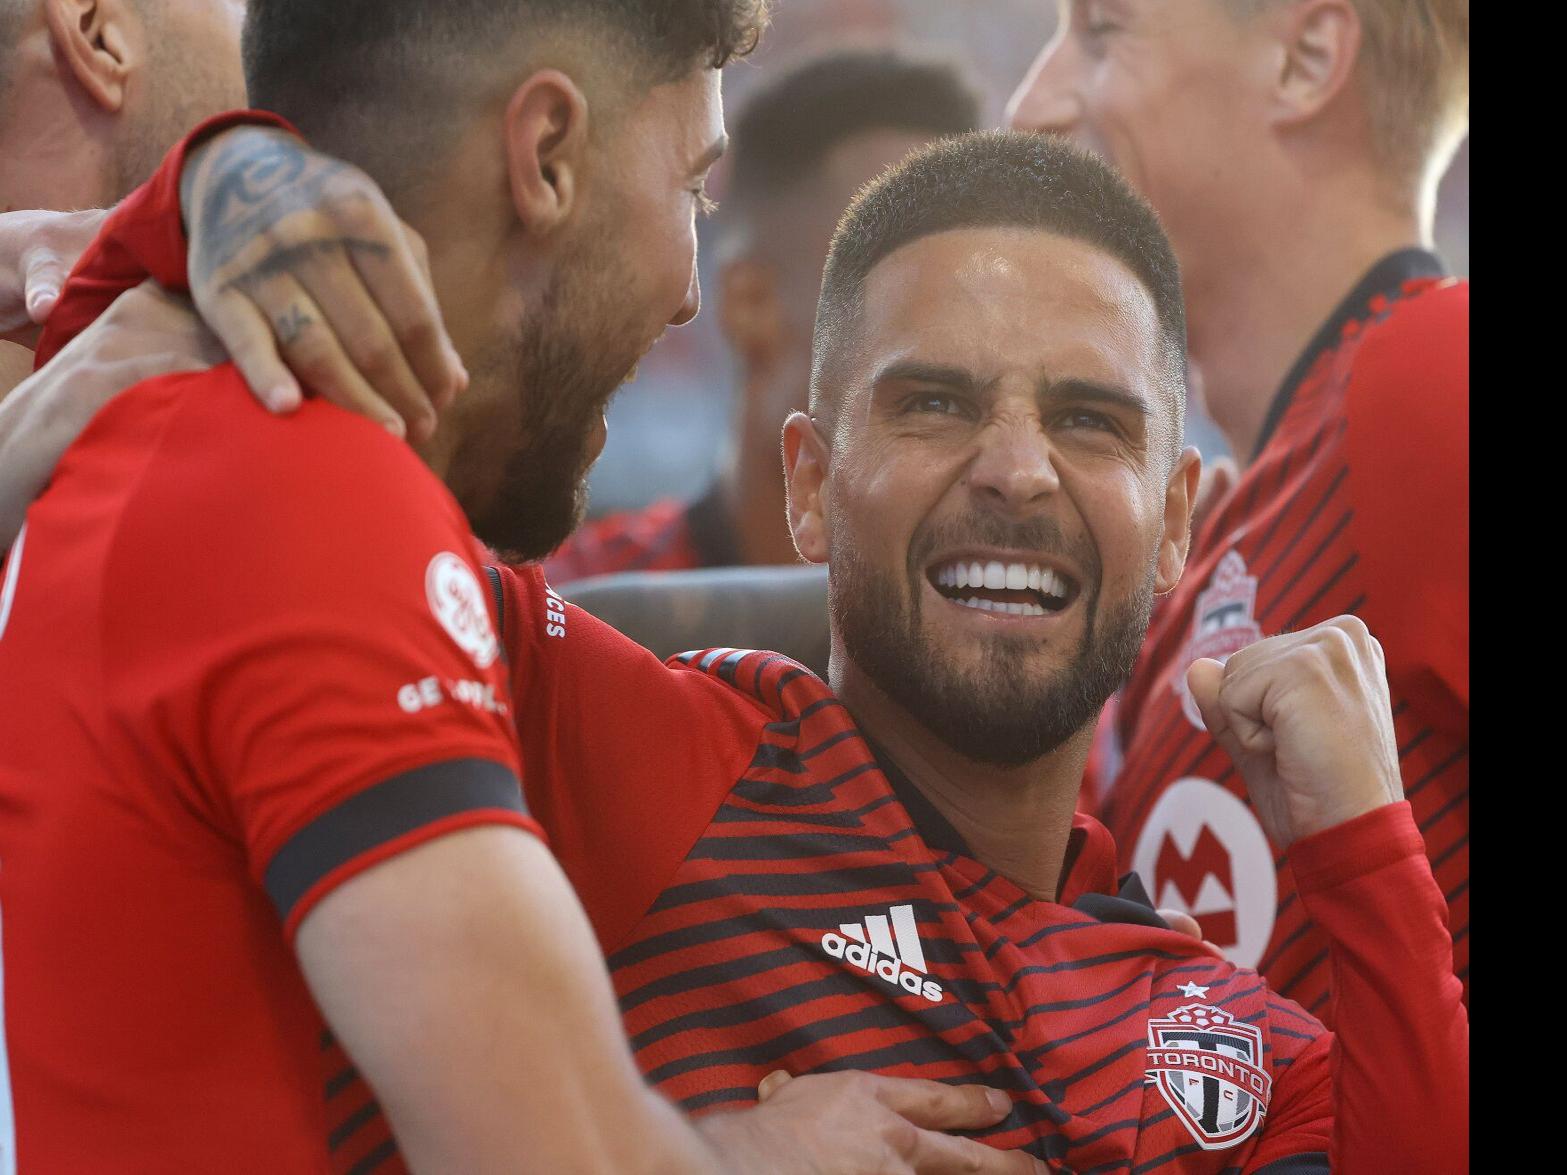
(1026, 587)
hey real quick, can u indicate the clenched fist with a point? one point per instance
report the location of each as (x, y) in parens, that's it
(1306, 718)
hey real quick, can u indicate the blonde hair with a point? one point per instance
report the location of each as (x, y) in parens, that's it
(1414, 70)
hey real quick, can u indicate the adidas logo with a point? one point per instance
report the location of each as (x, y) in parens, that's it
(892, 953)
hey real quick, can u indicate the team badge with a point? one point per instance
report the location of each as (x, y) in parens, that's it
(458, 603)
(1223, 623)
(1207, 1066)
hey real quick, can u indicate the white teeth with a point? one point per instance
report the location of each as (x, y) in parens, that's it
(996, 576)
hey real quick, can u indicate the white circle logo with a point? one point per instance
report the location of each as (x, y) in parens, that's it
(1201, 850)
(458, 603)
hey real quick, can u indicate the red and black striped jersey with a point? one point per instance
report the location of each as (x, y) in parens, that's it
(770, 894)
(669, 535)
(1356, 502)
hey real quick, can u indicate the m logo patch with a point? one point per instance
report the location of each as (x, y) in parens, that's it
(1208, 1066)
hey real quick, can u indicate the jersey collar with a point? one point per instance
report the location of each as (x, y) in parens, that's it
(1386, 278)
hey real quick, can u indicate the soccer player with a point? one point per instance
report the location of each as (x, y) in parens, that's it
(259, 804)
(1292, 148)
(804, 144)
(887, 872)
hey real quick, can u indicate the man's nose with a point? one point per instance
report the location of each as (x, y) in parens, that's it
(1047, 100)
(1014, 468)
(692, 303)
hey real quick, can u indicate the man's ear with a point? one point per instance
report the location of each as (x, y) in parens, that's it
(1321, 43)
(546, 132)
(805, 481)
(750, 312)
(1180, 500)
(101, 42)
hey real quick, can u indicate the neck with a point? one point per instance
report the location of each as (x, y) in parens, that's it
(52, 156)
(1256, 299)
(1016, 820)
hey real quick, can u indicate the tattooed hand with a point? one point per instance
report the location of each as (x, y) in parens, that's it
(37, 251)
(300, 266)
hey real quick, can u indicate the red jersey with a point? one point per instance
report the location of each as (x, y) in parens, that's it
(212, 718)
(1357, 502)
(668, 535)
(772, 894)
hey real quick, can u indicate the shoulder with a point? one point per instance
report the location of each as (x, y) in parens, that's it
(317, 489)
(1407, 377)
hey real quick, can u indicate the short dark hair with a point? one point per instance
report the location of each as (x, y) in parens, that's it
(995, 179)
(788, 127)
(348, 70)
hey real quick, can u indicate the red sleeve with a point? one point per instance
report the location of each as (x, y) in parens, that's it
(626, 760)
(306, 636)
(1299, 1127)
(1407, 440)
(1401, 1043)
(143, 237)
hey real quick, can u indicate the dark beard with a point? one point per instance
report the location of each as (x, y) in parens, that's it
(1005, 713)
(565, 368)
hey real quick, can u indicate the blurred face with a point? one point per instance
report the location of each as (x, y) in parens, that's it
(626, 273)
(1166, 90)
(998, 506)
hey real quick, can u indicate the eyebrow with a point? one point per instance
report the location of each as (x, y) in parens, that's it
(1090, 391)
(939, 375)
(711, 155)
(961, 380)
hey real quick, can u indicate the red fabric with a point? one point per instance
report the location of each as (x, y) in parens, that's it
(654, 538)
(1402, 1024)
(1358, 503)
(721, 826)
(216, 619)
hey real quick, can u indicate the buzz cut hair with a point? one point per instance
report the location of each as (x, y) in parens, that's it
(1413, 68)
(994, 179)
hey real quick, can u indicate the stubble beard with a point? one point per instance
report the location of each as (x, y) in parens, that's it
(569, 357)
(1006, 712)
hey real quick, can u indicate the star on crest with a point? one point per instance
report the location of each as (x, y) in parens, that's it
(1194, 991)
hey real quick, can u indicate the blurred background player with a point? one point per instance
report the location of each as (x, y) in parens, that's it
(93, 92)
(804, 144)
(1293, 148)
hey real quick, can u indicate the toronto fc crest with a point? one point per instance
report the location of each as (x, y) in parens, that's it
(1224, 622)
(1208, 1066)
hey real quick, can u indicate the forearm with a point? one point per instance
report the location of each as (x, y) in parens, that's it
(463, 979)
(1401, 1044)
(782, 609)
(34, 431)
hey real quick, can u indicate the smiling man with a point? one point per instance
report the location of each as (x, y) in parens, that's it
(887, 872)
(262, 830)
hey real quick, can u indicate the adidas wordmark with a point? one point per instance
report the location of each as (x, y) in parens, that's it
(893, 954)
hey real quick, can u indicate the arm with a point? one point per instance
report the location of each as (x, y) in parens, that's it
(463, 979)
(783, 609)
(1307, 719)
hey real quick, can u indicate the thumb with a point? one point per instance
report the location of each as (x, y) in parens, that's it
(43, 277)
(771, 1084)
(1203, 678)
(1182, 923)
